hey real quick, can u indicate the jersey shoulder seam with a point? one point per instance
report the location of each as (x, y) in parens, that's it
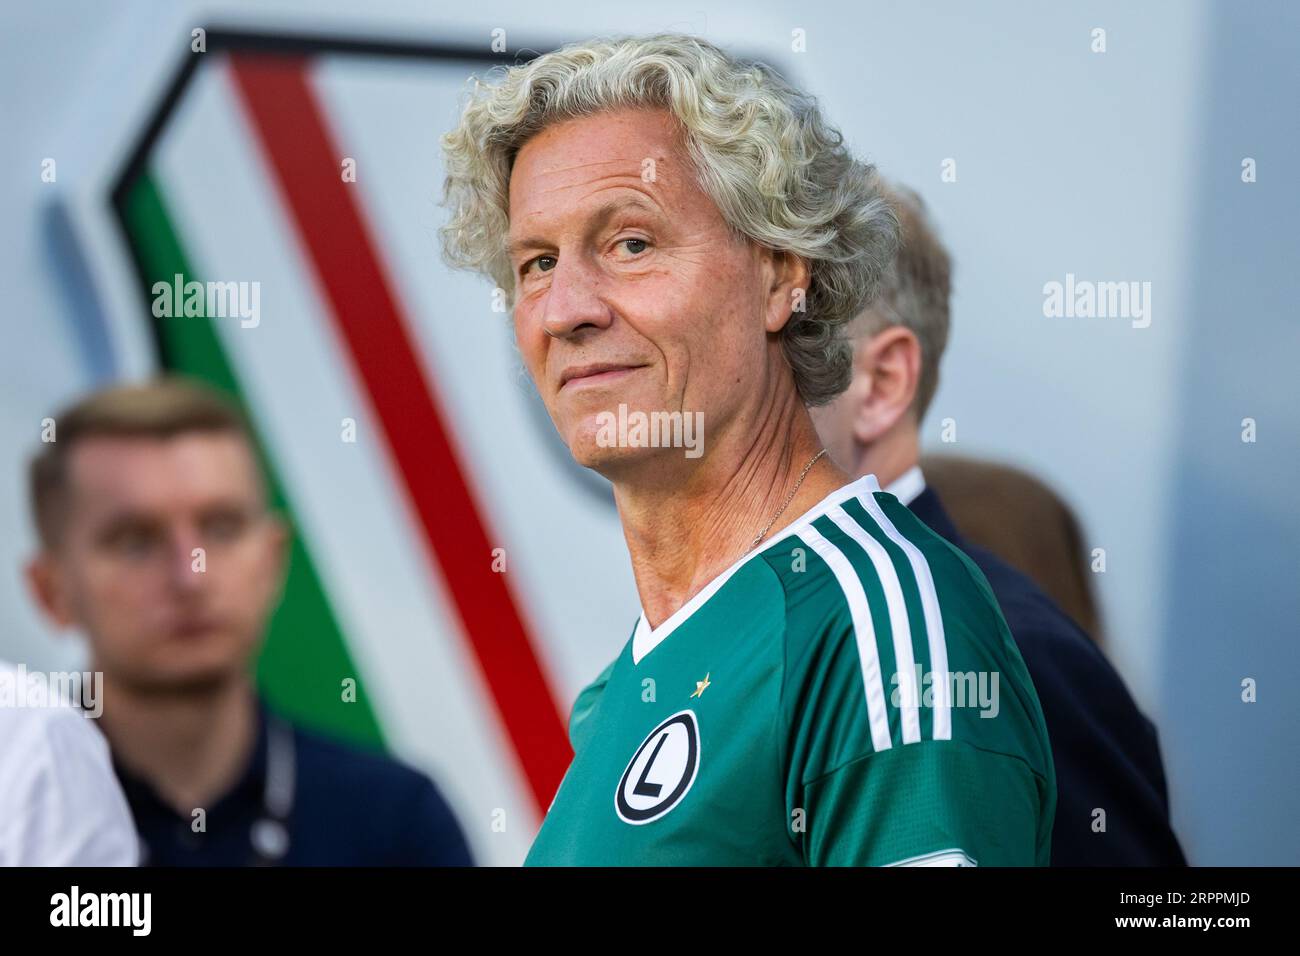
(948, 742)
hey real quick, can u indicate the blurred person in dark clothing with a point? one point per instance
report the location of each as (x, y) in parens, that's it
(1112, 804)
(156, 541)
(1025, 523)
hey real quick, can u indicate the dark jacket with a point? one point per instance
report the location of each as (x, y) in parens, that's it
(1104, 749)
(348, 807)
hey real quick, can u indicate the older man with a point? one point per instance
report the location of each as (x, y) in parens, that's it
(1105, 751)
(815, 677)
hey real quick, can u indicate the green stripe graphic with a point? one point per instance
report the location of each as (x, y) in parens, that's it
(305, 657)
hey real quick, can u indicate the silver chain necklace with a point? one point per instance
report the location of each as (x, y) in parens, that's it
(788, 498)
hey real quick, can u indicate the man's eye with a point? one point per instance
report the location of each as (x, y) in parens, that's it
(641, 245)
(224, 527)
(528, 266)
(133, 542)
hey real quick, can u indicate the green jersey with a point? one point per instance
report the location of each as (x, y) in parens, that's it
(848, 694)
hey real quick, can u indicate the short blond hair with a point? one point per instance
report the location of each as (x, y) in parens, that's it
(779, 174)
(163, 408)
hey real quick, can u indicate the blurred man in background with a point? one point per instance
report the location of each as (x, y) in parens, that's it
(157, 543)
(1025, 523)
(1112, 807)
(59, 802)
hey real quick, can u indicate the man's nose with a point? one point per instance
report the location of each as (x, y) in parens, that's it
(574, 301)
(187, 562)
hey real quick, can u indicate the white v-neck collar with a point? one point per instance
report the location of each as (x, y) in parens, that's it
(645, 639)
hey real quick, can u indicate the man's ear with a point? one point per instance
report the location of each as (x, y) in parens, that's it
(887, 372)
(45, 579)
(788, 289)
(281, 545)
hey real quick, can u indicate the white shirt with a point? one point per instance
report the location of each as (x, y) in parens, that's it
(60, 804)
(907, 486)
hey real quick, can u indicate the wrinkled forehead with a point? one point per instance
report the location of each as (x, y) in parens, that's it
(573, 159)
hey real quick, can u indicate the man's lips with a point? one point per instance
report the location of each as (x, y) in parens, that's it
(600, 373)
(194, 627)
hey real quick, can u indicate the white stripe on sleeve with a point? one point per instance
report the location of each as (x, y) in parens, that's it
(864, 632)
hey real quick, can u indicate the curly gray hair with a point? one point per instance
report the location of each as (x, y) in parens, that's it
(778, 172)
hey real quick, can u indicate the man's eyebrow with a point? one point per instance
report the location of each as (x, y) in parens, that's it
(600, 217)
(123, 519)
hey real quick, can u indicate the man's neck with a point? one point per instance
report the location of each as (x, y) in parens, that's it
(682, 534)
(190, 747)
(890, 456)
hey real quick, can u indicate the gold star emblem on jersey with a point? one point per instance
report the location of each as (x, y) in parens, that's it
(701, 686)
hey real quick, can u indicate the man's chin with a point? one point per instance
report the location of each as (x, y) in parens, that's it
(623, 462)
(603, 459)
(194, 677)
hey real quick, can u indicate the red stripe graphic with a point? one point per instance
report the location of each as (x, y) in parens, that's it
(292, 131)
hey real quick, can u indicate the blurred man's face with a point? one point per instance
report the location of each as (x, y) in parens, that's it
(648, 298)
(128, 570)
(872, 425)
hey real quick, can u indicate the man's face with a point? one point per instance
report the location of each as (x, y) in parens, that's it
(863, 427)
(158, 612)
(649, 299)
